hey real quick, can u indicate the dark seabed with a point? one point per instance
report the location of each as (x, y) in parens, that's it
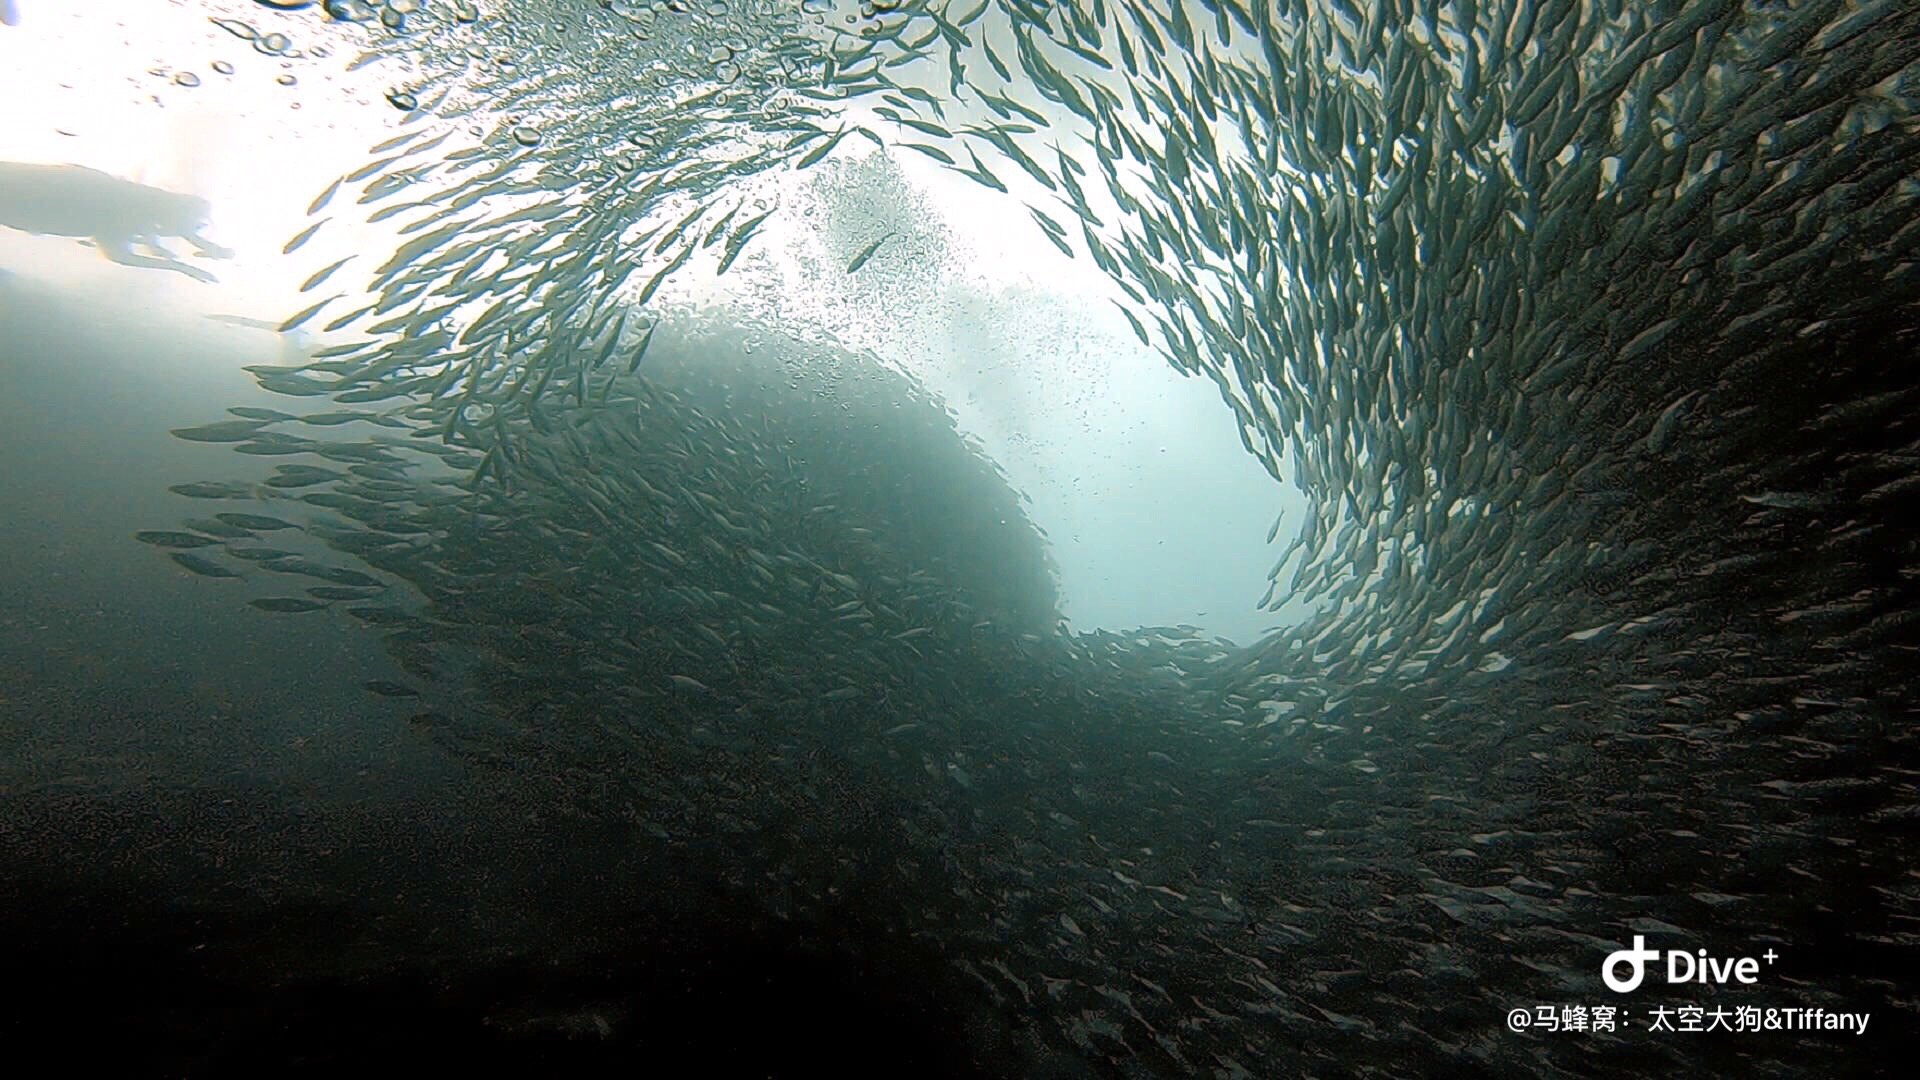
(550, 670)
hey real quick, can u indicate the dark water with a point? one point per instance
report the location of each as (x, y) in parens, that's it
(221, 855)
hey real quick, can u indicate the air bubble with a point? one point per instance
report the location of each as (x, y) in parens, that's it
(187, 78)
(526, 136)
(402, 100)
(350, 10)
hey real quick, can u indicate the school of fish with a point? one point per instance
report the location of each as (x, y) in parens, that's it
(1588, 326)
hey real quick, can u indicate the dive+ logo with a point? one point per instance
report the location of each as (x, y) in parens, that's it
(1682, 967)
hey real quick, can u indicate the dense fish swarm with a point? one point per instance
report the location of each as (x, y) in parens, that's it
(1589, 327)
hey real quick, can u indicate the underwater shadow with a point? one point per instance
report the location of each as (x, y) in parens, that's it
(115, 214)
